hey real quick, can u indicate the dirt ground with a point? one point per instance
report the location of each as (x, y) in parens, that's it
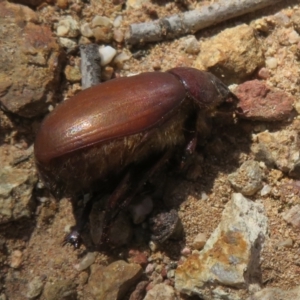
(33, 247)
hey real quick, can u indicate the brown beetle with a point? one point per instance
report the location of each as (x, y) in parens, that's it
(101, 136)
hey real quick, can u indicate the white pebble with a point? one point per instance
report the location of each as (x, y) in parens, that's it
(62, 30)
(199, 241)
(42, 199)
(153, 246)
(86, 30)
(68, 27)
(204, 196)
(100, 21)
(271, 62)
(107, 53)
(294, 37)
(70, 44)
(265, 190)
(191, 45)
(117, 21)
(86, 262)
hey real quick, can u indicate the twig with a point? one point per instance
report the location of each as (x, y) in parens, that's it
(192, 21)
(90, 65)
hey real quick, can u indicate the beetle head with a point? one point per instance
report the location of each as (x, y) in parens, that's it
(205, 89)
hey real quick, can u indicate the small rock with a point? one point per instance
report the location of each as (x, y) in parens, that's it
(69, 44)
(282, 19)
(153, 245)
(113, 281)
(61, 289)
(204, 196)
(73, 74)
(84, 41)
(231, 254)
(16, 187)
(232, 55)
(30, 62)
(118, 21)
(161, 292)
(68, 27)
(118, 35)
(63, 4)
(102, 29)
(107, 73)
(261, 25)
(263, 73)
(265, 190)
(278, 148)
(120, 59)
(293, 37)
(141, 209)
(165, 226)
(136, 4)
(158, 269)
(292, 216)
(102, 34)
(16, 259)
(149, 269)
(186, 251)
(86, 30)
(35, 287)
(287, 243)
(101, 21)
(87, 261)
(247, 179)
(221, 294)
(191, 45)
(271, 62)
(261, 102)
(107, 53)
(199, 241)
(171, 274)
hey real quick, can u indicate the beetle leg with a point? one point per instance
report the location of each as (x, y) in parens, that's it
(124, 194)
(190, 135)
(74, 237)
(189, 150)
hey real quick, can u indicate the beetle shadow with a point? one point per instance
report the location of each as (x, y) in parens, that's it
(172, 186)
(221, 153)
(205, 180)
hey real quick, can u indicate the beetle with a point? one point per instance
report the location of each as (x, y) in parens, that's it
(105, 136)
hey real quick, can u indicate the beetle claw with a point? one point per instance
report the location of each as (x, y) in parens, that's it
(73, 238)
